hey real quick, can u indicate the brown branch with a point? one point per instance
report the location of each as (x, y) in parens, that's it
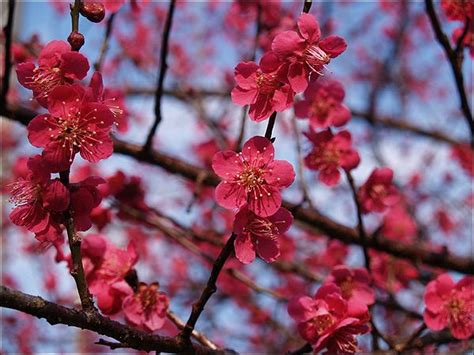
(270, 125)
(438, 338)
(200, 337)
(385, 121)
(74, 241)
(161, 76)
(455, 61)
(7, 64)
(306, 218)
(209, 290)
(57, 314)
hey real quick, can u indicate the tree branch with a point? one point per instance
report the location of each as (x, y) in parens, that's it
(57, 314)
(161, 76)
(7, 65)
(455, 62)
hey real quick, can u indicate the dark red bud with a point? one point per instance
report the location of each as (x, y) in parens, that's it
(93, 11)
(76, 40)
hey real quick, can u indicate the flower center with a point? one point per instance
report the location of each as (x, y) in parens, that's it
(262, 228)
(267, 83)
(346, 287)
(251, 178)
(455, 308)
(316, 58)
(322, 323)
(148, 296)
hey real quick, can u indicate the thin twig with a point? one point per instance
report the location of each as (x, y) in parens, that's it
(74, 240)
(161, 76)
(105, 43)
(7, 65)
(209, 290)
(455, 61)
(270, 125)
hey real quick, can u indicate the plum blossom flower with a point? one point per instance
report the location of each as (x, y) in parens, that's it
(147, 308)
(261, 87)
(378, 192)
(304, 53)
(57, 65)
(458, 10)
(259, 235)
(331, 152)
(323, 105)
(252, 177)
(451, 305)
(72, 125)
(354, 285)
(390, 273)
(84, 198)
(106, 267)
(326, 321)
(37, 197)
(398, 224)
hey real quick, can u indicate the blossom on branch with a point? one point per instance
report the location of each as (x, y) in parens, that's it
(72, 125)
(252, 177)
(259, 235)
(57, 65)
(304, 53)
(378, 192)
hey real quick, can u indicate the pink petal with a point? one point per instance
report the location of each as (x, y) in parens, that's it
(282, 174)
(229, 195)
(74, 65)
(244, 249)
(268, 249)
(227, 164)
(258, 151)
(243, 97)
(267, 204)
(298, 77)
(24, 72)
(301, 309)
(287, 44)
(309, 28)
(56, 196)
(39, 134)
(282, 219)
(333, 45)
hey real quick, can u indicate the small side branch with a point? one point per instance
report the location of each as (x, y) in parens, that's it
(7, 65)
(161, 76)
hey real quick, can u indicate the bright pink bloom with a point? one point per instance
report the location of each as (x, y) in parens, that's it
(331, 152)
(57, 65)
(451, 305)
(354, 285)
(326, 322)
(253, 177)
(147, 308)
(304, 52)
(465, 157)
(378, 192)
(73, 125)
(390, 273)
(259, 235)
(323, 105)
(106, 267)
(261, 87)
(458, 10)
(36, 197)
(398, 225)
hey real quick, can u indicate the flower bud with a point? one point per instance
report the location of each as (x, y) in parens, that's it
(93, 11)
(76, 40)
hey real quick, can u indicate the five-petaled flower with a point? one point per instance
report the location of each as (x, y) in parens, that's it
(451, 305)
(72, 125)
(252, 177)
(331, 152)
(147, 308)
(378, 192)
(323, 105)
(326, 321)
(304, 53)
(262, 87)
(259, 234)
(57, 65)
(37, 197)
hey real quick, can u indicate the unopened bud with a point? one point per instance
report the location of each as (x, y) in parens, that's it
(76, 40)
(93, 11)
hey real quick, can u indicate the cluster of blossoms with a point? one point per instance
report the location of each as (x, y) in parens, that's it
(461, 10)
(337, 313)
(296, 58)
(252, 182)
(79, 120)
(108, 270)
